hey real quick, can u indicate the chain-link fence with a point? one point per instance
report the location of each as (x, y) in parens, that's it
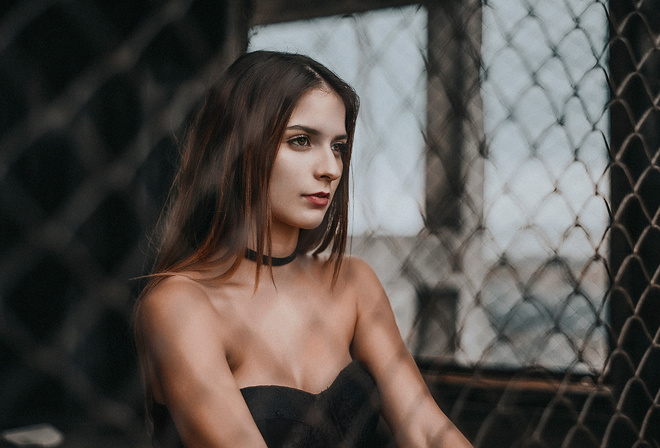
(506, 191)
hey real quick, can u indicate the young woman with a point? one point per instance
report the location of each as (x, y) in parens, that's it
(255, 330)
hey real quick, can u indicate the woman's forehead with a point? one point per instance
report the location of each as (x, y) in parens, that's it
(321, 110)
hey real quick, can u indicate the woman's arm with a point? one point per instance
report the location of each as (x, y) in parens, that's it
(408, 407)
(187, 368)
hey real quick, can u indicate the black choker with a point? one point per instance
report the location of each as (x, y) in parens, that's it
(276, 261)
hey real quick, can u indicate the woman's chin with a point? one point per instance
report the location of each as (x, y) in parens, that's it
(311, 226)
(309, 222)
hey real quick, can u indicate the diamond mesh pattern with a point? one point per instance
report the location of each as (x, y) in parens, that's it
(516, 231)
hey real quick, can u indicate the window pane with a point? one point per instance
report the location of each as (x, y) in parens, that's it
(546, 186)
(522, 280)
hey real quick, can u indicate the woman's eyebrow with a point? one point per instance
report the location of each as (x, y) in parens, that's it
(300, 127)
(312, 131)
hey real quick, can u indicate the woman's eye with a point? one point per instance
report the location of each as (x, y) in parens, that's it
(300, 140)
(340, 147)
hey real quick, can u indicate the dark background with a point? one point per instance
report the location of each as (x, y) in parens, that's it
(93, 95)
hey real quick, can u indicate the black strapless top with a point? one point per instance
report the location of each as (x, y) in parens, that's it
(344, 415)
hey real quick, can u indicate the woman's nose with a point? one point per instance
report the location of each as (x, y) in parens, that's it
(329, 164)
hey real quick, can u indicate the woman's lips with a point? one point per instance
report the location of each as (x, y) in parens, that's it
(319, 199)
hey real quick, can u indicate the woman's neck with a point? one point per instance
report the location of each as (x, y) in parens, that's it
(283, 242)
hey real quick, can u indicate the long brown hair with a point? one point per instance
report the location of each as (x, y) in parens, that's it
(223, 178)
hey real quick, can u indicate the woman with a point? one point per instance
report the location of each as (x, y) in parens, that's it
(254, 329)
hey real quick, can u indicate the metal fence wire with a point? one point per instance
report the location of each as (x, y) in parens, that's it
(506, 190)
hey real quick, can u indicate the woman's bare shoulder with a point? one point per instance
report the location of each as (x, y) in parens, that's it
(354, 271)
(175, 303)
(358, 274)
(173, 291)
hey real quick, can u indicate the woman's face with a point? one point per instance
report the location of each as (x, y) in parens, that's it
(308, 164)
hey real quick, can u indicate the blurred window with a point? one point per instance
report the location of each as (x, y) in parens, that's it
(483, 208)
